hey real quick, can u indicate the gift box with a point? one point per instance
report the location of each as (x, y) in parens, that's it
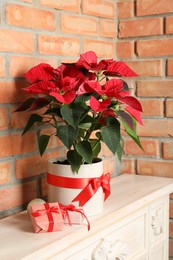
(73, 215)
(46, 217)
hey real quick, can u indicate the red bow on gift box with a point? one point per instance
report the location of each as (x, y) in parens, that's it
(65, 212)
(47, 211)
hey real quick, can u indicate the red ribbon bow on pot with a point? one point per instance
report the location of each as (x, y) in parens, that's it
(91, 188)
(89, 185)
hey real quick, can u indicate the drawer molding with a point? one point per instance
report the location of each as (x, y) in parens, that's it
(157, 222)
(110, 250)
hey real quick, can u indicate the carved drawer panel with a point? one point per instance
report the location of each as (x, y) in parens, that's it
(158, 220)
(123, 241)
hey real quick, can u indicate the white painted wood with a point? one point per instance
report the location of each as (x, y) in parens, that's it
(136, 215)
(108, 250)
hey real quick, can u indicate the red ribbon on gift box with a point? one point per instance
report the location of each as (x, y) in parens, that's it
(89, 186)
(65, 212)
(47, 211)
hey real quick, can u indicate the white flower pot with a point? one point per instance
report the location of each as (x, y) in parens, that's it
(65, 196)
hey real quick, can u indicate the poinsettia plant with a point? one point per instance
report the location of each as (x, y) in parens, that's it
(87, 102)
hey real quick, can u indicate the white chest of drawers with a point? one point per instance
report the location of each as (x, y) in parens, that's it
(133, 226)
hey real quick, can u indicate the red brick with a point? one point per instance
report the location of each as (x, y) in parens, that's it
(70, 5)
(108, 28)
(157, 47)
(33, 165)
(151, 147)
(171, 209)
(102, 48)
(16, 195)
(3, 118)
(152, 107)
(19, 65)
(150, 7)
(23, 16)
(54, 141)
(142, 27)
(44, 186)
(11, 91)
(58, 45)
(79, 25)
(147, 68)
(28, 167)
(2, 67)
(10, 41)
(16, 144)
(105, 152)
(168, 150)
(18, 119)
(26, 1)
(171, 229)
(100, 8)
(169, 107)
(156, 127)
(170, 247)
(155, 88)
(125, 49)
(125, 9)
(128, 166)
(169, 67)
(169, 25)
(5, 172)
(153, 167)
(70, 60)
(109, 165)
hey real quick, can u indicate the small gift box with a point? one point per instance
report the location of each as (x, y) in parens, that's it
(73, 215)
(46, 217)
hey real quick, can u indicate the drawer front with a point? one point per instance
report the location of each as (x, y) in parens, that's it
(159, 252)
(123, 240)
(158, 220)
(144, 257)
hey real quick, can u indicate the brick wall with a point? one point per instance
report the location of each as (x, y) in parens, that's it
(145, 29)
(33, 31)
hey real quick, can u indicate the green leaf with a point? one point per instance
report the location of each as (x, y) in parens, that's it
(25, 105)
(88, 119)
(53, 112)
(98, 135)
(86, 122)
(73, 113)
(39, 103)
(83, 98)
(31, 121)
(96, 147)
(67, 134)
(111, 134)
(85, 150)
(126, 118)
(119, 151)
(75, 160)
(132, 133)
(125, 86)
(85, 125)
(42, 143)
